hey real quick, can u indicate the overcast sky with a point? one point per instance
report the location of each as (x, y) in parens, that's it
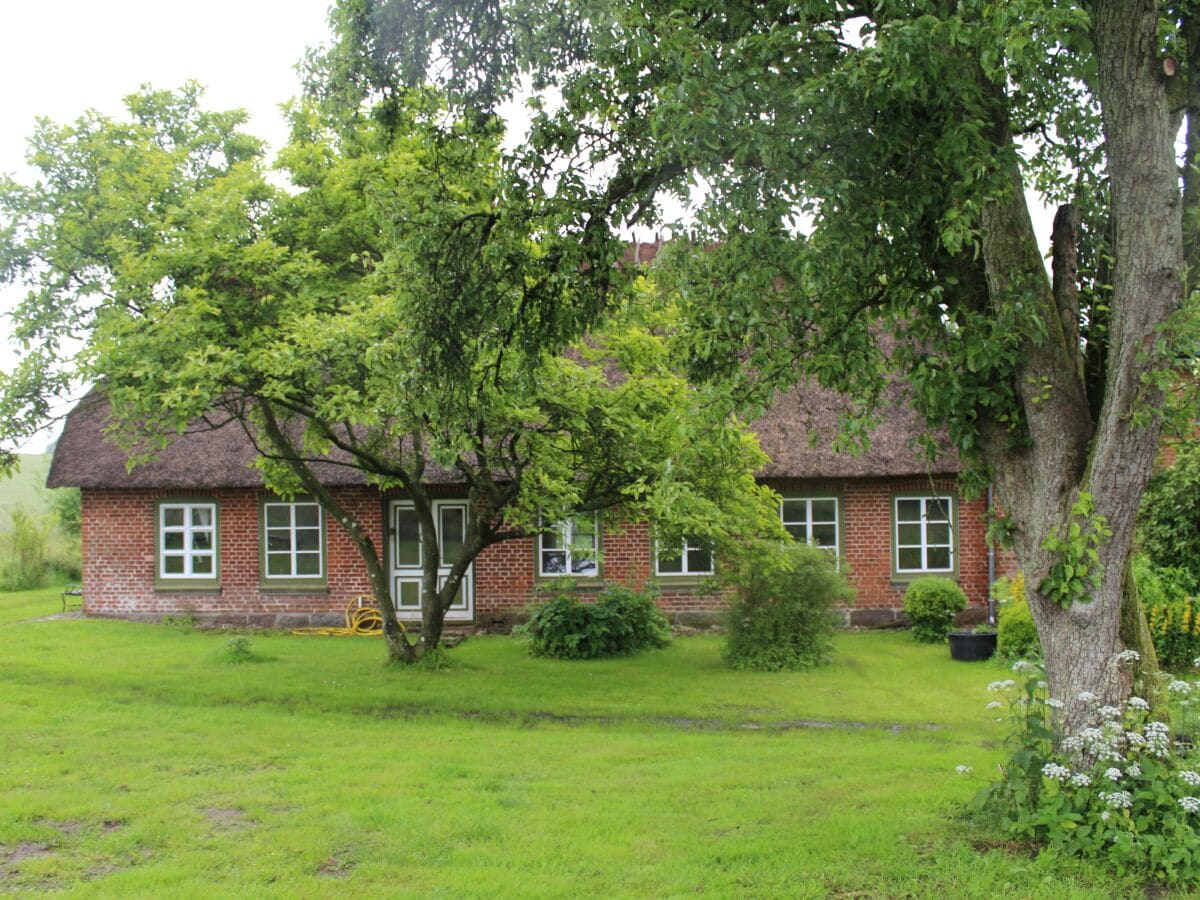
(61, 57)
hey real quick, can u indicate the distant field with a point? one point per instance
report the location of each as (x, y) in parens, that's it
(27, 489)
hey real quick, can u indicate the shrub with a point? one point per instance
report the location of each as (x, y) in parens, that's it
(23, 553)
(1173, 617)
(930, 604)
(621, 621)
(783, 615)
(1168, 527)
(67, 504)
(1119, 790)
(1017, 636)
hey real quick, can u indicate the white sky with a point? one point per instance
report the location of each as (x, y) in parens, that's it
(61, 57)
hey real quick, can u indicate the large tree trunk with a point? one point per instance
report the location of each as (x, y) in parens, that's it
(1040, 482)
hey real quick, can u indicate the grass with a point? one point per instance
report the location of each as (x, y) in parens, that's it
(159, 760)
(26, 489)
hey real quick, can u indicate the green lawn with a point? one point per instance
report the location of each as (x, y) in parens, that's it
(138, 760)
(27, 488)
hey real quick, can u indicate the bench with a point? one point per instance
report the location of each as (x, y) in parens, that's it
(72, 592)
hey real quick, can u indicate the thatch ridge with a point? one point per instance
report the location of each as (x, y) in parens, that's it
(223, 457)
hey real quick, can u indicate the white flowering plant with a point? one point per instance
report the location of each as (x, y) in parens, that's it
(1120, 789)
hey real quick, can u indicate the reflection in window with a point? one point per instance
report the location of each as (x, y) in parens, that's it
(569, 548)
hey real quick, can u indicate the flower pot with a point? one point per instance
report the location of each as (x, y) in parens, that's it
(967, 646)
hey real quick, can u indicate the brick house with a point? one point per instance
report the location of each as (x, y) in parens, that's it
(194, 533)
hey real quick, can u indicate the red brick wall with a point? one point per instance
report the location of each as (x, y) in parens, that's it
(119, 558)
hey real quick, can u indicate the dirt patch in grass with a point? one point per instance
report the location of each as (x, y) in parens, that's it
(228, 818)
(338, 865)
(23, 851)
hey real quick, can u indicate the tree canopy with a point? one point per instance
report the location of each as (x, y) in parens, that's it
(397, 307)
(863, 170)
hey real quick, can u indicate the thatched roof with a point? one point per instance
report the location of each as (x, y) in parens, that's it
(206, 457)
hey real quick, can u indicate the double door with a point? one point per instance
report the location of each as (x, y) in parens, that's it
(407, 557)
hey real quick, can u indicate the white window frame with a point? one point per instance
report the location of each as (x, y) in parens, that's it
(924, 522)
(188, 553)
(684, 558)
(292, 552)
(808, 523)
(565, 529)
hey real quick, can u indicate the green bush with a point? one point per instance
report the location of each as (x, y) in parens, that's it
(621, 621)
(930, 604)
(1168, 527)
(783, 615)
(23, 553)
(1119, 790)
(1172, 612)
(1017, 636)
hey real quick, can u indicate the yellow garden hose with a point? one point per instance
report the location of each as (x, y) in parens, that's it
(362, 618)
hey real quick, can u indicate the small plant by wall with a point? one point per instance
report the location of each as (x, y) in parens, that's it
(1017, 636)
(930, 604)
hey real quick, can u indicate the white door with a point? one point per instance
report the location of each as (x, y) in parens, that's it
(450, 517)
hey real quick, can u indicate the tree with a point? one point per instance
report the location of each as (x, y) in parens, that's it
(397, 309)
(864, 168)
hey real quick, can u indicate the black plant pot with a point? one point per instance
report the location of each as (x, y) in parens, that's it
(967, 646)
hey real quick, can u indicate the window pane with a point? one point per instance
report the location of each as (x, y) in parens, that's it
(909, 535)
(699, 561)
(408, 537)
(583, 566)
(308, 515)
(825, 535)
(908, 510)
(937, 534)
(172, 540)
(279, 541)
(670, 566)
(279, 564)
(795, 510)
(454, 532)
(938, 509)
(909, 558)
(824, 510)
(938, 557)
(201, 540)
(201, 516)
(583, 526)
(798, 532)
(173, 565)
(308, 539)
(553, 540)
(202, 565)
(308, 564)
(278, 516)
(410, 595)
(172, 516)
(554, 562)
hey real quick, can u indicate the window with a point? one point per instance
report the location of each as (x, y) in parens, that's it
(292, 544)
(812, 520)
(693, 560)
(569, 548)
(187, 542)
(924, 536)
